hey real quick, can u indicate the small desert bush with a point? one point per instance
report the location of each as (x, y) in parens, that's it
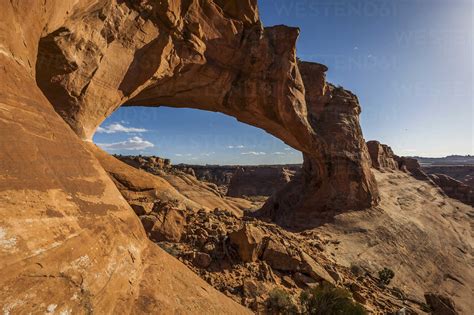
(280, 302)
(386, 275)
(357, 270)
(329, 300)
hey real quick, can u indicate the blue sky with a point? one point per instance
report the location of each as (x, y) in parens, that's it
(409, 61)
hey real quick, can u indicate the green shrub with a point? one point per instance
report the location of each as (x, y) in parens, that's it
(329, 300)
(280, 302)
(386, 275)
(426, 308)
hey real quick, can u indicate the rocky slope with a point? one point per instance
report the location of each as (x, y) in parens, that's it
(462, 173)
(246, 258)
(454, 188)
(384, 159)
(423, 236)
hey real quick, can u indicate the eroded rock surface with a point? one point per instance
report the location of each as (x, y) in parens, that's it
(382, 156)
(259, 181)
(454, 188)
(383, 159)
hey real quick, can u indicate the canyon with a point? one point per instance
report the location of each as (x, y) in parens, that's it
(79, 228)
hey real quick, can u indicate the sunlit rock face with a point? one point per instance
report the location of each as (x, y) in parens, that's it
(382, 156)
(68, 240)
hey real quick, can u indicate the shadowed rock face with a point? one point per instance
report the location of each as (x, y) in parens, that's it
(258, 181)
(454, 188)
(212, 55)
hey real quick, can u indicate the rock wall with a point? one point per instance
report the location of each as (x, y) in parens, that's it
(454, 188)
(258, 181)
(462, 173)
(382, 156)
(336, 176)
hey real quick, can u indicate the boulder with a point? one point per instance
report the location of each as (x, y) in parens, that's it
(169, 226)
(314, 269)
(202, 260)
(280, 258)
(411, 166)
(304, 281)
(148, 222)
(249, 241)
(253, 288)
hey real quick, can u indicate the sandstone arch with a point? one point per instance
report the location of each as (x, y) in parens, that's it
(206, 55)
(68, 240)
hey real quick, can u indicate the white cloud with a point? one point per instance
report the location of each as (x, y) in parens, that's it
(278, 153)
(253, 153)
(116, 127)
(208, 154)
(288, 149)
(134, 143)
(235, 146)
(356, 48)
(183, 154)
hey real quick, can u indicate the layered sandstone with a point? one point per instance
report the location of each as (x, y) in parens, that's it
(382, 156)
(462, 173)
(335, 177)
(454, 188)
(259, 181)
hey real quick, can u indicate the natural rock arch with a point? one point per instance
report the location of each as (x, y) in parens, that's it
(218, 57)
(68, 238)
